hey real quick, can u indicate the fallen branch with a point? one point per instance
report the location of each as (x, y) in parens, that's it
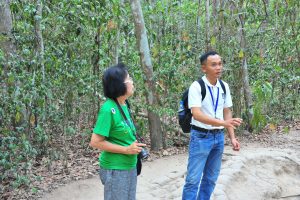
(289, 196)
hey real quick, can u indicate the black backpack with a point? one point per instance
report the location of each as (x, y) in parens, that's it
(184, 113)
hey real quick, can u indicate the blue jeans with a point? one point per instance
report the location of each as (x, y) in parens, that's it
(119, 184)
(204, 164)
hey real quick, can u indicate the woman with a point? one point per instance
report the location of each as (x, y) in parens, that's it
(116, 137)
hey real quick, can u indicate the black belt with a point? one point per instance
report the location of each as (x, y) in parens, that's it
(206, 130)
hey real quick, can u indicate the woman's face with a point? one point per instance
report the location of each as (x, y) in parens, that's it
(129, 85)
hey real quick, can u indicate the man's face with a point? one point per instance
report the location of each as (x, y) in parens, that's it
(213, 66)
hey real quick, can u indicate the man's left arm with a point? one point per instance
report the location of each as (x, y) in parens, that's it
(235, 143)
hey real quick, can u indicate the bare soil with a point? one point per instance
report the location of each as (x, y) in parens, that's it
(266, 167)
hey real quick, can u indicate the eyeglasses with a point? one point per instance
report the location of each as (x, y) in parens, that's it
(129, 80)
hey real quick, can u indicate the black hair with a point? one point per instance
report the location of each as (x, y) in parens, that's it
(204, 56)
(113, 81)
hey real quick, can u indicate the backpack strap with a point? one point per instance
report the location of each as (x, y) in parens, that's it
(223, 86)
(203, 88)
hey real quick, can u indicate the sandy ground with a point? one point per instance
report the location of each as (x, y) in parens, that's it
(256, 172)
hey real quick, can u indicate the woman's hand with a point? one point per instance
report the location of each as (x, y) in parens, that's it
(135, 148)
(99, 142)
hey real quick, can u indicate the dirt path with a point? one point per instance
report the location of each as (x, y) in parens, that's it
(259, 171)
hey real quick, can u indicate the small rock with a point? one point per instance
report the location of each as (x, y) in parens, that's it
(165, 153)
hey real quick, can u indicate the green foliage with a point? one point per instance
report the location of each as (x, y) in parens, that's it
(57, 96)
(263, 94)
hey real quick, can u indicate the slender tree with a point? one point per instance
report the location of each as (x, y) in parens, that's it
(39, 37)
(40, 51)
(8, 47)
(7, 44)
(215, 18)
(244, 69)
(145, 59)
(207, 25)
(198, 22)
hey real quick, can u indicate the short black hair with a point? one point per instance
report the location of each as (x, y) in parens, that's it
(113, 81)
(204, 56)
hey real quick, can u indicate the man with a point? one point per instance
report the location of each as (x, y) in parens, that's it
(210, 116)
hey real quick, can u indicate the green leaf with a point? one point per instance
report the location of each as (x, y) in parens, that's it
(213, 41)
(286, 130)
(277, 68)
(70, 130)
(241, 54)
(18, 117)
(34, 190)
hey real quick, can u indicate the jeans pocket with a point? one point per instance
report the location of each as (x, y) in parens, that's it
(199, 135)
(102, 175)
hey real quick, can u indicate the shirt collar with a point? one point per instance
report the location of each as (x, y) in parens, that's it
(209, 84)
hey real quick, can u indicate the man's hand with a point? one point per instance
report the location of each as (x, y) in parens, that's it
(232, 123)
(235, 144)
(135, 148)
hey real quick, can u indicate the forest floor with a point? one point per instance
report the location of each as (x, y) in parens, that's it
(266, 167)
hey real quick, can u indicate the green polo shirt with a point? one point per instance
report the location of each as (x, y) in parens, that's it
(111, 124)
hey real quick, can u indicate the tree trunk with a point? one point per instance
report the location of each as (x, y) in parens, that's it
(7, 46)
(264, 26)
(39, 36)
(238, 93)
(116, 56)
(221, 23)
(152, 100)
(96, 71)
(40, 48)
(215, 18)
(245, 77)
(198, 24)
(6, 42)
(207, 26)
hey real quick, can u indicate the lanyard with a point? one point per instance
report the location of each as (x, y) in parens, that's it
(215, 106)
(128, 121)
(136, 135)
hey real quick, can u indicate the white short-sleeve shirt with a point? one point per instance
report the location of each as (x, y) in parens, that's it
(207, 106)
